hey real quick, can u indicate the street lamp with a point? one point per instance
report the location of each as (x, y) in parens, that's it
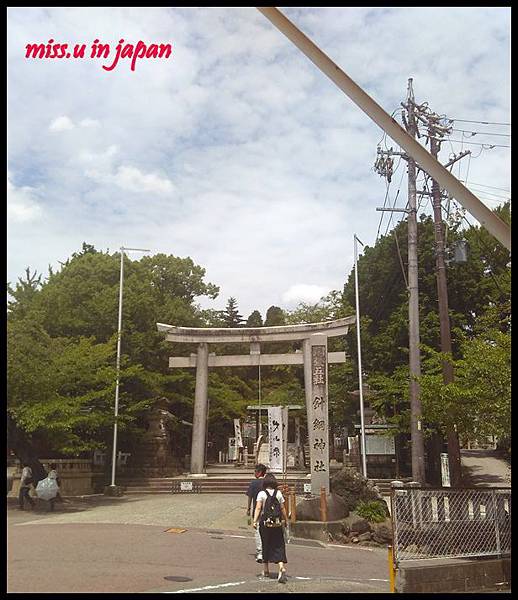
(362, 418)
(119, 336)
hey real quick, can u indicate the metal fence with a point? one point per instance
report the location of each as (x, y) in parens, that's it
(443, 523)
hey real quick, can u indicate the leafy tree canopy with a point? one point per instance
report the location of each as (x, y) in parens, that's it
(255, 319)
(62, 343)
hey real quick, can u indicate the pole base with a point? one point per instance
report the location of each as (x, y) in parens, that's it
(113, 490)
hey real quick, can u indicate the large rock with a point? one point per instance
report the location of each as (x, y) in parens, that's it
(360, 526)
(353, 487)
(382, 532)
(308, 509)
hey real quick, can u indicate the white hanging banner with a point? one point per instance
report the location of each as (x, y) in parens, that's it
(445, 470)
(275, 435)
(237, 431)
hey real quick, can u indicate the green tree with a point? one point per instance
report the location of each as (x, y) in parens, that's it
(23, 294)
(255, 319)
(61, 367)
(478, 401)
(342, 407)
(478, 293)
(275, 316)
(230, 316)
(61, 391)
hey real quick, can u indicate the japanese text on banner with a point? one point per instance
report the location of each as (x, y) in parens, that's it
(275, 434)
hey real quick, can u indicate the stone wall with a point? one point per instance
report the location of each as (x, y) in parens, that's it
(75, 476)
(455, 576)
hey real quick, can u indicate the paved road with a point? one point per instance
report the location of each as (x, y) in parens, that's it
(121, 545)
(486, 468)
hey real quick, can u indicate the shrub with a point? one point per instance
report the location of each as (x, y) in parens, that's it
(373, 511)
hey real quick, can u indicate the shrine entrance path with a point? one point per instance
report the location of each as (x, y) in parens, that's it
(104, 544)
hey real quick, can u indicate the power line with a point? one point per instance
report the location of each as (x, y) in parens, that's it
(481, 122)
(381, 218)
(494, 201)
(487, 186)
(486, 193)
(395, 199)
(482, 132)
(486, 145)
(400, 258)
(386, 195)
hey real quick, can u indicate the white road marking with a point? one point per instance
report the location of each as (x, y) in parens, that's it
(235, 583)
(354, 547)
(207, 587)
(324, 578)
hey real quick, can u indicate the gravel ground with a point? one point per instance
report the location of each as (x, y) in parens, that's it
(219, 511)
(486, 468)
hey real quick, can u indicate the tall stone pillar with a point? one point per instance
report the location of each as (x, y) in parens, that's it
(316, 386)
(199, 420)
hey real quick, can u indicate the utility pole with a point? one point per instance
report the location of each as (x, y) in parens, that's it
(416, 430)
(434, 132)
(360, 376)
(383, 166)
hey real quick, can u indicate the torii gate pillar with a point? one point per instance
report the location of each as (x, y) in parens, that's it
(199, 421)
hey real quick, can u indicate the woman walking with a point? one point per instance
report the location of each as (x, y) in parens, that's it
(270, 516)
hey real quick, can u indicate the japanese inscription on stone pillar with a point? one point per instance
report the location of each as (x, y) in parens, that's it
(318, 419)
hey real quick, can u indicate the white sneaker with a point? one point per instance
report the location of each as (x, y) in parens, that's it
(259, 558)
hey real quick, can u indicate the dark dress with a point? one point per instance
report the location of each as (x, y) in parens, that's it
(272, 539)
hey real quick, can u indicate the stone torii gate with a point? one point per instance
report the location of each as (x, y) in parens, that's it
(314, 357)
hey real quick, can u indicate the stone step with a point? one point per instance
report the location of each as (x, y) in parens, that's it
(220, 485)
(165, 485)
(148, 491)
(239, 486)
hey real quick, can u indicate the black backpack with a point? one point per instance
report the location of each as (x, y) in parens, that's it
(272, 514)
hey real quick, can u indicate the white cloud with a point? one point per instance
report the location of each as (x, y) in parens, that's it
(237, 149)
(22, 205)
(89, 123)
(304, 292)
(63, 123)
(132, 179)
(127, 178)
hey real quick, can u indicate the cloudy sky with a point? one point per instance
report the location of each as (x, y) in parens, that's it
(237, 151)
